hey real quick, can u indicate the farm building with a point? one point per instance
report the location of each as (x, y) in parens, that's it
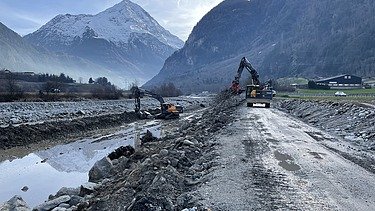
(342, 82)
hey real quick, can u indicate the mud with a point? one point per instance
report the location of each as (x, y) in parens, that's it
(286, 161)
(268, 183)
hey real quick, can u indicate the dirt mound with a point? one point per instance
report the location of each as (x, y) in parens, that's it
(353, 122)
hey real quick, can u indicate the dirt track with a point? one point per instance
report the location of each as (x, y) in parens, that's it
(269, 161)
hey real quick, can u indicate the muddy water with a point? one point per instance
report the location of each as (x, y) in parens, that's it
(45, 172)
(286, 161)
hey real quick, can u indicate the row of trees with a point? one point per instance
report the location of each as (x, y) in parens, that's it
(101, 87)
(31, 77)
(101, 80)
(62, 78)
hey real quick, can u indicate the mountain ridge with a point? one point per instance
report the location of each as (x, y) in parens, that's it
(281, 38)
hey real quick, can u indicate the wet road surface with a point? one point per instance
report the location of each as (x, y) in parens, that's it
(270, 161)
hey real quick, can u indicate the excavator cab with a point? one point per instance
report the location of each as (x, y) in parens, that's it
(255, 94)
(169, 111)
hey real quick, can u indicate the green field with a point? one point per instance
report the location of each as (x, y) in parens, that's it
(347, 91)
(357, 95)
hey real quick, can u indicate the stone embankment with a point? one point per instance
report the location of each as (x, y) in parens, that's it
(354, 122)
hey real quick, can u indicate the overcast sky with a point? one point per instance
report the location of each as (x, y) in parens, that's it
(177, 16)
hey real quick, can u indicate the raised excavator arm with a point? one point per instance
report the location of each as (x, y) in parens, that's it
(168, 110)
(137, 93)
(255, 93)
(254, 75)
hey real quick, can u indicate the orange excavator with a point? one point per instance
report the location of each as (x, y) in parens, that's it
(167, 110)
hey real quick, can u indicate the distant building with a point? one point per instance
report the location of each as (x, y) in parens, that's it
(5, 71)
(26, 73)
(342, 82)
(369, 82)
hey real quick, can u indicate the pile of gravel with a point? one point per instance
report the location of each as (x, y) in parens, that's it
(354, 122)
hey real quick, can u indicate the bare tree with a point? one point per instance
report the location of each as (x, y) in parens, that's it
(11, 84)
(13, 90)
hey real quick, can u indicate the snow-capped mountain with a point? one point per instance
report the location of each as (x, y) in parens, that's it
(123, 38)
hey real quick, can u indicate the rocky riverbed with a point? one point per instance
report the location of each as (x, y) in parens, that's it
(17, 113)
(22, 124)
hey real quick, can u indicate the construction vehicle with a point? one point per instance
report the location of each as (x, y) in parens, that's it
(167, 110)
(256, 93)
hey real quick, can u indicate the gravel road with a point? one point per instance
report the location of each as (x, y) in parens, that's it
(269, 160)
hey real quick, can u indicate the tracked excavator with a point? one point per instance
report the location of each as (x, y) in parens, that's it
(167, 110)
(256, 93)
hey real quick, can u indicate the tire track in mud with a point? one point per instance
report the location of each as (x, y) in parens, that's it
(272, 189)
(325, 181)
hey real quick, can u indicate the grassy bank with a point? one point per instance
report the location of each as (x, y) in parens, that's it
(356, 95)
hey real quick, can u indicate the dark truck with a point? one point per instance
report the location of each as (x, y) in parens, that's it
(256, 93)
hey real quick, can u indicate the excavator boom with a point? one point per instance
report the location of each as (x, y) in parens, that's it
(246, 64)
(255, 92)
(168, 110)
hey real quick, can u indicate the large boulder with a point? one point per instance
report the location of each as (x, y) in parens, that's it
(87, 188)
(101, 169)
(49, 205)
(15, 204)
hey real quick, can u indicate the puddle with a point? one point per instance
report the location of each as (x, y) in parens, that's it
(289, 166)
(286, 161)
(65, 165)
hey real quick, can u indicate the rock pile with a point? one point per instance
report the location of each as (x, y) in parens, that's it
(352, 121)
(15, 204)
